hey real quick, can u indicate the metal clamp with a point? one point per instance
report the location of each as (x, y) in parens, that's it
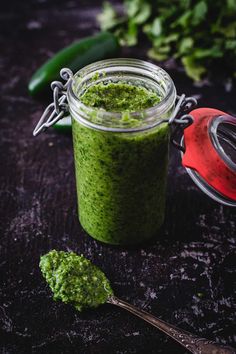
(180, 118)
(59, 107)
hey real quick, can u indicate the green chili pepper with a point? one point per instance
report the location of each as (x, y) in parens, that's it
(77, 55)
(63, 125)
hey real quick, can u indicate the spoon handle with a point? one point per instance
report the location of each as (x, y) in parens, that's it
(191, 342)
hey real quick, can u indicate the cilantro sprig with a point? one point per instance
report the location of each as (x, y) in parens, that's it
(199, 33)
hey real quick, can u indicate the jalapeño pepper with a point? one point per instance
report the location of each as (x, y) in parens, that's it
(78, 54)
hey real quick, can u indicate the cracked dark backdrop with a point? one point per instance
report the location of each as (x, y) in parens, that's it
(187, 276)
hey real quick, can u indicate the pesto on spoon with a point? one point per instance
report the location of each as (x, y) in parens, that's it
(74, 279)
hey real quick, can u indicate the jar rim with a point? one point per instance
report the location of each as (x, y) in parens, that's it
(77, 107)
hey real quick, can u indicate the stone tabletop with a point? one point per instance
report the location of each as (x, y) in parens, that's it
(186, 276)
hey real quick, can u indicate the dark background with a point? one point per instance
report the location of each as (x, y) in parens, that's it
(187, 276)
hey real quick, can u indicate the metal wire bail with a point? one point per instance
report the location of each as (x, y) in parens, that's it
(59, 107)
(180, 118)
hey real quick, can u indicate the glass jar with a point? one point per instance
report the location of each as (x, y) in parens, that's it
(121, 158)
(121, 168)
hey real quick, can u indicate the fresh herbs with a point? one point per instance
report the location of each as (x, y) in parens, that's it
(201, 34)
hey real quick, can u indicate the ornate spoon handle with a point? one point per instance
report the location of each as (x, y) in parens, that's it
(189, 341)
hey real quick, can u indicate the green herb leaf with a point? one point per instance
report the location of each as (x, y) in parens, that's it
(156, 27)
(185, 45)
(143, 14)
(199, 12)
(108, 18)
(154, 54)
(194, 70)
(130, 37)
(231, 5)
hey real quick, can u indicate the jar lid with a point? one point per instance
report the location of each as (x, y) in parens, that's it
(210, 153)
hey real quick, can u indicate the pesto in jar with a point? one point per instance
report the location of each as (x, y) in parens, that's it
(119, 97)
(121, 177)
(74, 279)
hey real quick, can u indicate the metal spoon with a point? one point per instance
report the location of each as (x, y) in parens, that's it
(191, 342)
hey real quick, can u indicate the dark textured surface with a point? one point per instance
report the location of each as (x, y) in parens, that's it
(187, 277)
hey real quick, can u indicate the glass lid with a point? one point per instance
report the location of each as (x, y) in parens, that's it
(210, 153)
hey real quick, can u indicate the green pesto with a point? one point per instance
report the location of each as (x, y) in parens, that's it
(74, 279)
(119, 97)
(121, 177)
